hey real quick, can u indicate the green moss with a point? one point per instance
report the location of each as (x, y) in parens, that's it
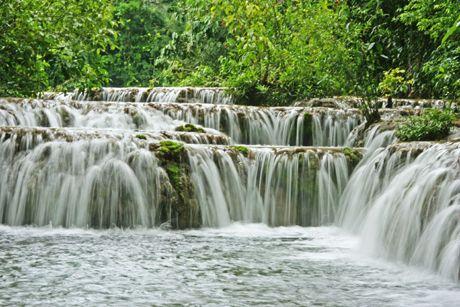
(180, 207)
(241, 149)
(190, 128)
(171, 147)
(353, 155)
(174, 172)
(141, 136)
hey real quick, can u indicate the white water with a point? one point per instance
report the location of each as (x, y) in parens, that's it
(407, 209)
(237, 265)
(274, 189)
(244, 125)
(48, 113)
(271, 126)
(98, 183)
(156, 94)
(405, 206)
(109, 182)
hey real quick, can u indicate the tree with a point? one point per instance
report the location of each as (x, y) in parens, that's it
(53, 44)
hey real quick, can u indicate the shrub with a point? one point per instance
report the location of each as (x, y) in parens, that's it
(395, 83)
(432, 125)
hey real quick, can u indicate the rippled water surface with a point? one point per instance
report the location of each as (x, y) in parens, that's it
(238, 265)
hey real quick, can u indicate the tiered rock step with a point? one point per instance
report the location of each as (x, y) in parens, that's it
(154, 181)
(244, 124)
(214, 95)
(345, 102)
(403, 197)
(142, 138)
(45, 134)
(100, 179)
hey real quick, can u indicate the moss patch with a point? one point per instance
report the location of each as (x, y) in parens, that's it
(171, 150)
(141, 137)
(190, 128)
(241, 149)
(174, 172)
(353, 155)
(182, 205)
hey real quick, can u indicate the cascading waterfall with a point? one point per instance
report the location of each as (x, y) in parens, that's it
(102, 164)
(244, 125)
(48, 113)
(120, 182)
(333, 127)
(406, 207)
(96, 183)
(289, 188)
(157, 94)
(271, 126)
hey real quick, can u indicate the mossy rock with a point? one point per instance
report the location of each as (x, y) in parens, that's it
(190, 128)
(241, 149)
(174, 173)
(352, 155)
(170, 150)
(183, 207)
(141, 137)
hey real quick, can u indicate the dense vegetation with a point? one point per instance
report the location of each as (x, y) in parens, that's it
(432, 125)
(268, 51)
(57, 44)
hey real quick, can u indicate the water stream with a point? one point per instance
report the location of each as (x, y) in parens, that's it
(237, 265)
(99, 191)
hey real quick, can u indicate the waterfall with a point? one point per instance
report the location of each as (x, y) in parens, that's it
(124, 182)
(278, 189)
(157, 94)
(95, 183)
(271, 126)
(333, 127)
(33, 113)
(128, 157)
(244, 125)
(405, 202)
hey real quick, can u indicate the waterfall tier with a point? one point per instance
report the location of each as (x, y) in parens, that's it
(212, 95)
(27, 134)
(405, 202)
(243, 124)
(104, 182)
(167, 157)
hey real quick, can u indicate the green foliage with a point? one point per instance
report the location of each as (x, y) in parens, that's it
(440, 70)
(432, 125)
(395, 83)
(266, 51)
(144, 29)
(279, 51)
(53, 44)
(191, 57)
(141, 137)
(190, 128)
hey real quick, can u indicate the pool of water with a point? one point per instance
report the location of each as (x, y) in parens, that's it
(233, 266)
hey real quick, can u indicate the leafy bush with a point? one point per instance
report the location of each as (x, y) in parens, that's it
(432, 125)
(144, 28)
(53, 44)
(395, 83)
